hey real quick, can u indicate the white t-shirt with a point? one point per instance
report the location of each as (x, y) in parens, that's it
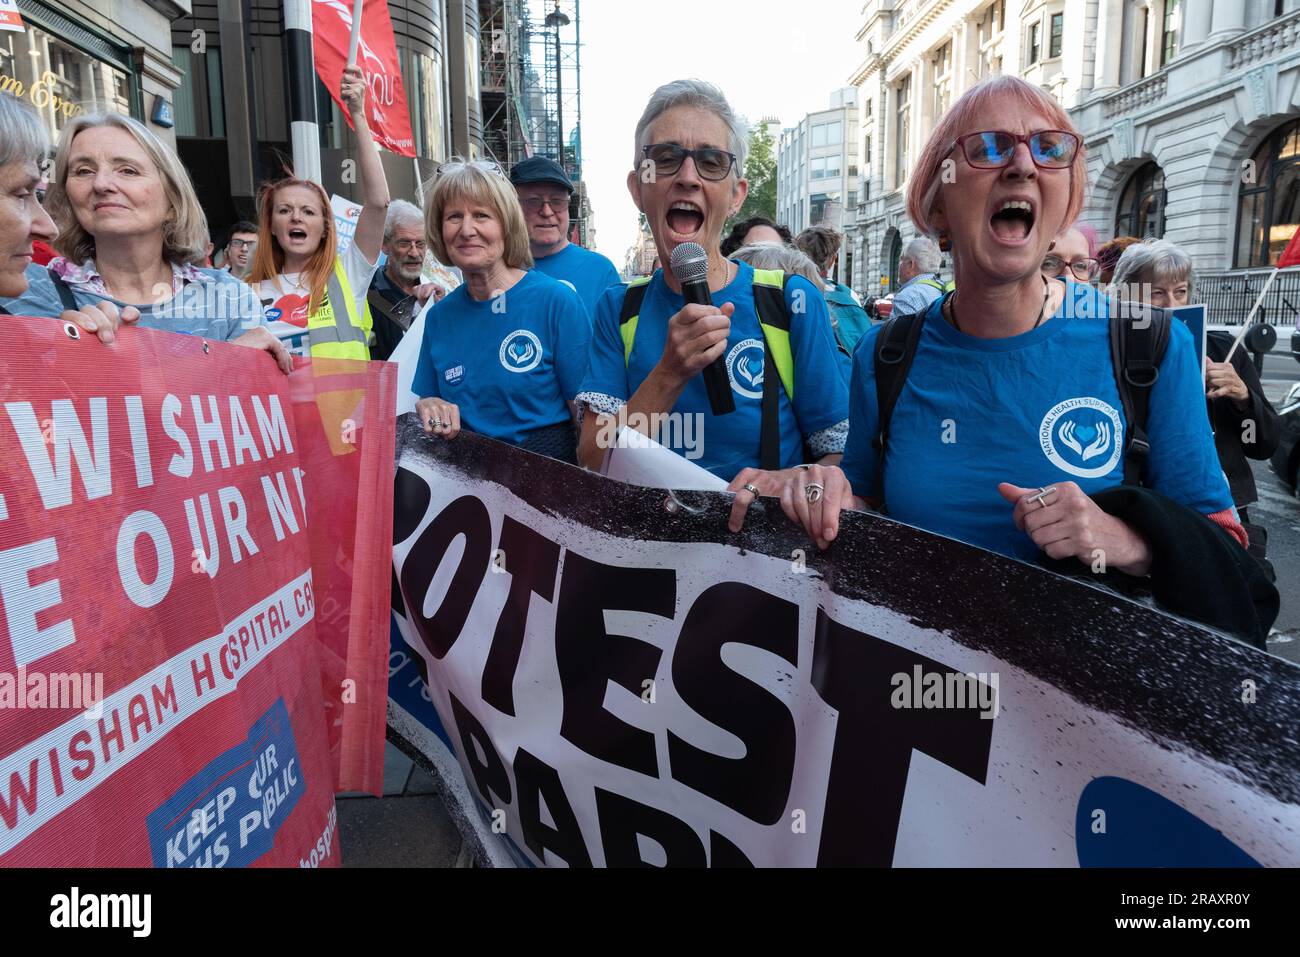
(285, 300)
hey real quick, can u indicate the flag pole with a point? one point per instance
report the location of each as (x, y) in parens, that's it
(355, 40)
(1246, 327)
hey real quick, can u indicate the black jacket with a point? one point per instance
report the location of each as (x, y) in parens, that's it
(1198, 570)
(392, 312)
(1230, 423)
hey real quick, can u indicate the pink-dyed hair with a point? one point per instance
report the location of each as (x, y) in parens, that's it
(1004, 95)
(1090, 234)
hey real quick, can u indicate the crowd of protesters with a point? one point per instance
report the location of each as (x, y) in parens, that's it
(540, 345)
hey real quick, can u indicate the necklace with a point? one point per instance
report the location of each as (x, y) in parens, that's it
(951, 304)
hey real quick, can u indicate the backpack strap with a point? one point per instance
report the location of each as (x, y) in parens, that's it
(66, 297)
(631, 313)
(895, 350)
(778, 361)
(1139, 337)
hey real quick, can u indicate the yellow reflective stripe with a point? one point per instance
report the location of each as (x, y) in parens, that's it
(332, 336)
(770, 277)
(628, 331)
(778, 341)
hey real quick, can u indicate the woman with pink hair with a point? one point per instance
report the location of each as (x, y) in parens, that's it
(1009, 420)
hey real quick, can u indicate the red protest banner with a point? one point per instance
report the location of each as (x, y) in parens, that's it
(386, 110)
(175, 517)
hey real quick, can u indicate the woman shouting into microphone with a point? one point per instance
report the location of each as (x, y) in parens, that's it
(772, 331)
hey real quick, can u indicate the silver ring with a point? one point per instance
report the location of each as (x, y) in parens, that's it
(813, 493)
(1049, 490)
(751, 489)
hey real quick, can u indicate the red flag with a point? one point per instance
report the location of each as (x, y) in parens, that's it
(1291, 255)
(386, 111)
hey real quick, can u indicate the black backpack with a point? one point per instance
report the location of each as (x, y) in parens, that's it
(1137, 347)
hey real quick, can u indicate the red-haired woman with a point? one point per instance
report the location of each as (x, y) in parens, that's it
(314, 297)
(1010, 418)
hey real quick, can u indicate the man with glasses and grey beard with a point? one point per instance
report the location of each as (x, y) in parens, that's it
(544, 191)
(396, 293)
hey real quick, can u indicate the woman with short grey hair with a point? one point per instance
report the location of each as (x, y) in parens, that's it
(650, 347)
(1160, 265)
(24, 145)
(692, 93)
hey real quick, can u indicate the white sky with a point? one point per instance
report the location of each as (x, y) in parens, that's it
(770, 57)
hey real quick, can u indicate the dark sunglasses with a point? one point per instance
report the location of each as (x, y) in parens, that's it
(992, 149)
(710, 163)
(1085, 270)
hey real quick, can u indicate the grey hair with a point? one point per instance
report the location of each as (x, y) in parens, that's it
(23, 138)
(923, 251)
(704, 95)
(1155, 260)
(773, 256)
(401, 213)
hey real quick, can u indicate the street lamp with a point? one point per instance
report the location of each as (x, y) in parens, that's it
(556, 18)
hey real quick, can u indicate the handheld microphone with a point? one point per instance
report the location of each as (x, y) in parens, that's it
(690, 264)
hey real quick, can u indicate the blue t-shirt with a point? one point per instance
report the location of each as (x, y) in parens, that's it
(1033, 409)
(219, 308)
(730, 442)
(588, 273)
(511, 363)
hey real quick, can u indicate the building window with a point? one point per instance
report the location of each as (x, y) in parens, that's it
(1141, 210)
(60, 80)
(1268, 209)
(1142, 50)
(1033, 43)
(902, 130)
(942, 79)
(828, 134)
(1169, 38)
(1055, 35)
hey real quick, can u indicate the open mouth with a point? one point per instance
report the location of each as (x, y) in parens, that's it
(684, 220)
(1013, 222)
(297, 234)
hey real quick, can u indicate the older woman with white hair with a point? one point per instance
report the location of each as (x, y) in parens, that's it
(649, 347)
(995, 416)
(131, 237)
(503, 354)
(23, 147)
(1245, 423)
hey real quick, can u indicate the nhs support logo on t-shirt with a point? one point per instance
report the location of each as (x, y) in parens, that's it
(520, 351)
(454, 375)
(1083, 436)
(745, 368)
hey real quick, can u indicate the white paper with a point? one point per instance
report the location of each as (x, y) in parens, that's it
(639, 460)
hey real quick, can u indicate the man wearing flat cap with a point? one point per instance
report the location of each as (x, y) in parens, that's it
(544, 191)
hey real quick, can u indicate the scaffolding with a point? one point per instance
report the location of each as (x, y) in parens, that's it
(531, 82)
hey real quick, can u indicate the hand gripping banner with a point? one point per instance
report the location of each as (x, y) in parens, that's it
(191, 656)
(601, 674)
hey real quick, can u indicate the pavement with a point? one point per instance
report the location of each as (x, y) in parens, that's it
(407, 827)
